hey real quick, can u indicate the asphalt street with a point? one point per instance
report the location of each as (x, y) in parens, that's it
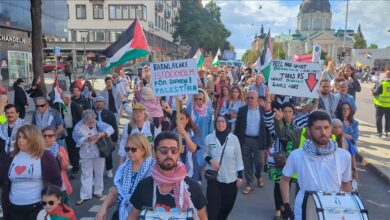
(258, 205)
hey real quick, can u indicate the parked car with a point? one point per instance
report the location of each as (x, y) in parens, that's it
(49, 66)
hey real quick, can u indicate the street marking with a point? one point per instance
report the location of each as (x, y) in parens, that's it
(103, 198)
(377, 204)
(94, 208)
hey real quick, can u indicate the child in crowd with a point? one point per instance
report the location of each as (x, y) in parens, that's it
(53, 208)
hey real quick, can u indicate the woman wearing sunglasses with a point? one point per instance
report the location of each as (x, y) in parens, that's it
(201, 115)
(137, 166)
(24, 173)
(58, 152)
(53, 207)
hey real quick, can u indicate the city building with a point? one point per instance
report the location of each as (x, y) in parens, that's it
(94, 24)
(15, 35)
(314, 26)
(258, 42)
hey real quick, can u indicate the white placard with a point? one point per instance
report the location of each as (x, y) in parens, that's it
(294, 78)
(171, 78)
(316, 53)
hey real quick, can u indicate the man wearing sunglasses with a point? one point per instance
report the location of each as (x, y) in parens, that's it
(254, 138)
(168, 187)
(45, 116)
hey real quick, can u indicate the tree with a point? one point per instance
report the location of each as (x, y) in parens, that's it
(373, 46)
(277, 51)
(249, 57)
(36, 46)
(201, 27)
(359, 42)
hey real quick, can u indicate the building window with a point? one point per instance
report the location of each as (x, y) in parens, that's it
(114, 35)
(79, 36)
(100, 36)
(127, 12)
(98, 12)
(81, 12)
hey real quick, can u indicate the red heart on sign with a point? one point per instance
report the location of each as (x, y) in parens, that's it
(20, 169)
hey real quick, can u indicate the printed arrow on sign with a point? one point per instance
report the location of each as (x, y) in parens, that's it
(311, 81)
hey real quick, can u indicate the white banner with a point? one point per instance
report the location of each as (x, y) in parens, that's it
(294, 78)
(171, 78)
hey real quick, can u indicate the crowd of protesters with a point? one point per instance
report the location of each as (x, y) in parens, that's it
(233, 133)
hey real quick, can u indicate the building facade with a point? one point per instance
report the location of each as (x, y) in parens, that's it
(15, 35)
(94, 24)
(314, 26)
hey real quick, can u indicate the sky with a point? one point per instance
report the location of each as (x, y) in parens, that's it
(244, 19)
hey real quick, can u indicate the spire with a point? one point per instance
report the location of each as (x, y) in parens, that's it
(262, 29)
(359, 31)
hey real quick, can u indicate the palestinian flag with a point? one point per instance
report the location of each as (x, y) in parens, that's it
(216, 60)
(130, 45)
(57, 96)
(266, 57)
(199, 58)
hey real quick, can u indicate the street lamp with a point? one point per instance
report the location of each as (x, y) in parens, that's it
(84, 35)
(345, 29)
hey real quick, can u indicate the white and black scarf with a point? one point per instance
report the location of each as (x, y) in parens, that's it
(310, 148)
(45, 120)
(54, 149)
(9, 141)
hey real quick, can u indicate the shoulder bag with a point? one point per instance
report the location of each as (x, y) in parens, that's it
(211, 174)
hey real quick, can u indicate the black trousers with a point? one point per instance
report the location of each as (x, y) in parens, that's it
(109, 165)
(220, 199)
(73, 151)
(22, 111)
(379, 112)
(22, 212)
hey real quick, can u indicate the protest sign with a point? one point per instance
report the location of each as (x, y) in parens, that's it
(173, 78)
(294, 78)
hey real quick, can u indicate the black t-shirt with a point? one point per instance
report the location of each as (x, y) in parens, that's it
(143, 195)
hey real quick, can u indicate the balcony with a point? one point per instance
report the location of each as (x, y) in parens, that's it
(159, 7)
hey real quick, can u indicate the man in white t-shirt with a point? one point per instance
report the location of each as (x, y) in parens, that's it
(320, 165)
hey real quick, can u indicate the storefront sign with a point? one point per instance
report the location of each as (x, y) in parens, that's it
(12, 39)
(173, 78)
(294, 78)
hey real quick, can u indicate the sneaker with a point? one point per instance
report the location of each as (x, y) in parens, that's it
(110, 174)
(387, 134)
(379, 134)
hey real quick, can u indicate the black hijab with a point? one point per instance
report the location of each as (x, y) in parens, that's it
(222, 135)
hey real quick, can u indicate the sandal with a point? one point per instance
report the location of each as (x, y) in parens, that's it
(81, 201)
(260, 182)
(247, 190)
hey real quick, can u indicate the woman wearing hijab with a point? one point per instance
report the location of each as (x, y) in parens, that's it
(222, 153)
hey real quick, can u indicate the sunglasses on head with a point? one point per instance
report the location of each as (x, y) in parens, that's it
(50, 203)
(165, 150)
(41, 106)
(131, 149)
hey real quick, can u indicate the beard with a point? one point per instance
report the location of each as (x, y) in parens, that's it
(168, 164)
(321, 141)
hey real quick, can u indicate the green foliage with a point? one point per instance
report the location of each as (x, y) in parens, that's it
(200, 26)
(249, 57)
(277, 51)
(373, 46)
(359, 42)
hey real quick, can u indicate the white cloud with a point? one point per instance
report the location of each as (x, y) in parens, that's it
(244, 19)
(373, 16)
